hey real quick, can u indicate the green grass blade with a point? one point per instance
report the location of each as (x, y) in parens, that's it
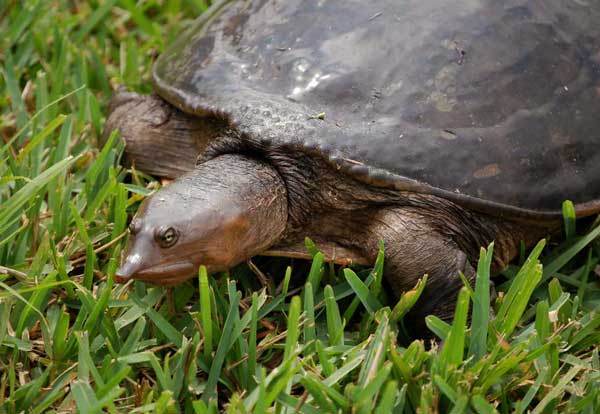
(369, 301)
(454, 347)
(205, 311)
(224, 343)
(481, 305)
(335, 328)
(31, 189)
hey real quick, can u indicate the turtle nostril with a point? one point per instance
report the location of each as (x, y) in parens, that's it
(129, 267)
(120, 278)
(123, 273)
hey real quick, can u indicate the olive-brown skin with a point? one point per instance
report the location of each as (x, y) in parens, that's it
(444, 130)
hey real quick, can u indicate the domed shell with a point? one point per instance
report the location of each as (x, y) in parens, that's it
(493, 104)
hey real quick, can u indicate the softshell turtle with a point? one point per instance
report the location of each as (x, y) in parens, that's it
(436, 126)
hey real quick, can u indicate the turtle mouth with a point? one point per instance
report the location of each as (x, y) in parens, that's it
(161, 274)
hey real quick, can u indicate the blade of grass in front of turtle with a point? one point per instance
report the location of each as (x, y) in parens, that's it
(100, 196)
(569, 218)
(293, 331)
(481, 305)
(454, 347)
(86, 369)
(133, 338)
(223, 347)
(297, 405)
(408, 300)
(557, 390)
(482, 406)
(445, 388)
(370, 390)
(161, 323)
(335, 328)
(376, 350)
(440, 328)
(205, 311)
(461, 404)
(252, 341)
(286, 281)
(119, 211)
(577, 245)
(326, 364)
(584, 277)
(311, 247)
(59, 335)
(316, 270)
(521, 288)
(58, 389)
(84, 396)
(388, 398)
(373, 282)
(309, 330)
(324, 395)
(377, 271)
(369, 301)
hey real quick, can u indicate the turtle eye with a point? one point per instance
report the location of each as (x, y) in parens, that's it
(167, 237)
(135, 226)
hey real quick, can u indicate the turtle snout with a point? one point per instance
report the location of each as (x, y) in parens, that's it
(129, 267)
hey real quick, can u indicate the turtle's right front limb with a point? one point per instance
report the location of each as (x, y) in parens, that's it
(159, 139)
(440, 242)
(415, 247)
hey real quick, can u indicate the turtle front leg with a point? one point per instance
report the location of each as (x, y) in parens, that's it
(159, 139)
(414, 246)
(440, 243)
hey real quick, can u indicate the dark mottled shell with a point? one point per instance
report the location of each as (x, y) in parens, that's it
(494, 104)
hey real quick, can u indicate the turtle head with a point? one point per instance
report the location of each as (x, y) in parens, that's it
(220, 214)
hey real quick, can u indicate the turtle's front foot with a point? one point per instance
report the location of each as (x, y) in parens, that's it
(159, 139)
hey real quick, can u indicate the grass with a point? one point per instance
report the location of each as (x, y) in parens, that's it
(311, 339)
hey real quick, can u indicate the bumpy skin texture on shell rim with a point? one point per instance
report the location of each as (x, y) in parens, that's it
(492, 104)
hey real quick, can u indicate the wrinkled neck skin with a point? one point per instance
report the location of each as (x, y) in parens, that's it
(324, 204)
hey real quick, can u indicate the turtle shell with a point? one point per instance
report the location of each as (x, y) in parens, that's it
(493, 104)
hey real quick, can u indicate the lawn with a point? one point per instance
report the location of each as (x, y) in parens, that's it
(308, 338)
